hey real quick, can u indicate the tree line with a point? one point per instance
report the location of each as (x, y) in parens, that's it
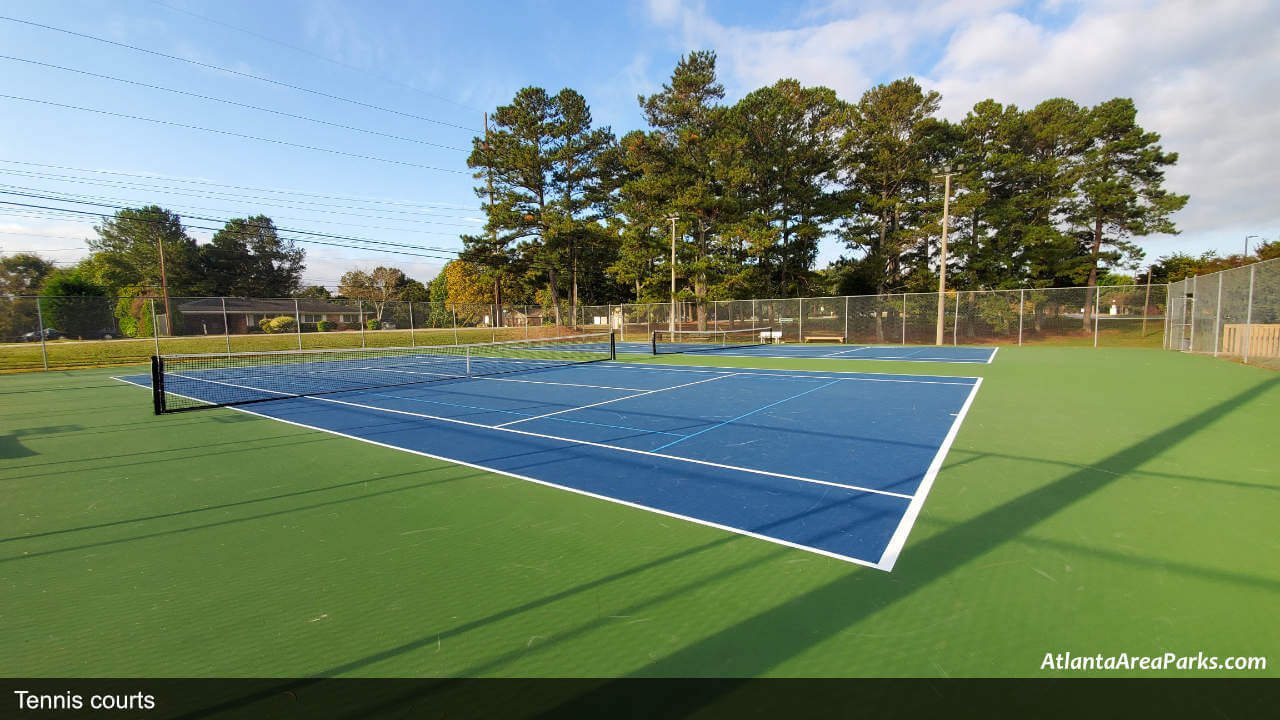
(1041, 197)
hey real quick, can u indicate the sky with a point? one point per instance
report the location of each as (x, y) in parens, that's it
(387, 96)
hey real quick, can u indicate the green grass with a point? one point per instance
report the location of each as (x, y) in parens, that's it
(1095, 501)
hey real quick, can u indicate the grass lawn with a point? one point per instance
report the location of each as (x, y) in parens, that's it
(1095, 501)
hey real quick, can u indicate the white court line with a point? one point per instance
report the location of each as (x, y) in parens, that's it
(625, 397)
(992, 358)
(547, 382)
(899, 537)
(808, 374)
(842, 352)
(607, 498)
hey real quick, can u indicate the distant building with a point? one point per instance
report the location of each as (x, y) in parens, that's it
(205, 315)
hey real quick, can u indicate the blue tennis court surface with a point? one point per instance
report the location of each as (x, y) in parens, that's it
(903, 353)
(834, 463)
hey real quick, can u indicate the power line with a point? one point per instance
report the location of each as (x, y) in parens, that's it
(231, 102)
(327, 212)
(279, 230)
(318, 56)
(210, 219)
(236, 72)
(215, 195)
(230, 133)
(192, 181)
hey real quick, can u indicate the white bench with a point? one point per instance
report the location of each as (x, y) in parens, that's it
(770, 336)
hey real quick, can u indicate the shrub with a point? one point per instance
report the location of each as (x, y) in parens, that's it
(373, 324)
(324, 326)
(133, 312)
(281, 324)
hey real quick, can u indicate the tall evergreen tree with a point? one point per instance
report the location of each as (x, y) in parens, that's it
(248, 258)
(785, 164)
(1121, 190)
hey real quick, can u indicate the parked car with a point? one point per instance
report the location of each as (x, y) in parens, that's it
(49, 334)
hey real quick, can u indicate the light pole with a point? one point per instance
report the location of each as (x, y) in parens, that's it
(672, 219)
(945, 172)
(1246, 243)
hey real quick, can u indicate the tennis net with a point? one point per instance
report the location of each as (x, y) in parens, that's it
(192, 382)
(683, 341)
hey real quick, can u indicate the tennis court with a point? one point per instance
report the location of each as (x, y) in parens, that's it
(837, 463)
(897, 353)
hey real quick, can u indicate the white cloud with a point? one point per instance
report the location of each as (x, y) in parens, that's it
(1203, 75)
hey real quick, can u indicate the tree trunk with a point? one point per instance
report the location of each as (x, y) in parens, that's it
(1093, 271)
(555, 295)
(497, 301)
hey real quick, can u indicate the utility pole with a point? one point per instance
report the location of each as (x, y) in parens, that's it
(673, 219)
(497, 277)
(946, 172)
(164, 290)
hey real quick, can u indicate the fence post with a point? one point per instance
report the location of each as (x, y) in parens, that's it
(1022, 306)
(846, 318)
(226, 325)
(453, 310)
(297, 318)
(155, 326)
(360, 305)
(1248, 316)
(1191, 322)
(904, 318)
(955, 323)
(800, 320)
(44, 349)
(1217, 320)
(1097, 296)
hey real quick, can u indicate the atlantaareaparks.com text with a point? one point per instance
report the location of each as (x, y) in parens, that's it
(1167, 661)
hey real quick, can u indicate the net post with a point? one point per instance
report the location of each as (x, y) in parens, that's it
(411, 340)
(297, 318)
(226, 325)
(1217, 319)
(468, 360)
(157, 384)
(1022, 308)
(613, 346)
(1248, 315)
(155, 325)
(653, 342)
(44, 349)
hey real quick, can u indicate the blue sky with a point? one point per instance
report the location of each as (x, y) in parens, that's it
(1203, 78)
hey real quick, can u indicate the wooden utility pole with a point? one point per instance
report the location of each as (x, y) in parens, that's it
(497, 273)
(946, 172)
(164, 290)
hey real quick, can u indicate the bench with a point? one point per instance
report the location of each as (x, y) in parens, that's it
(770, 336)
(824, 338)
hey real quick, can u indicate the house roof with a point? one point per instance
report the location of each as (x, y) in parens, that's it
(283, 306)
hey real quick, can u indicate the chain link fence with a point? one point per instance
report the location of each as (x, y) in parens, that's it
(90, 331)
(1233, 313)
